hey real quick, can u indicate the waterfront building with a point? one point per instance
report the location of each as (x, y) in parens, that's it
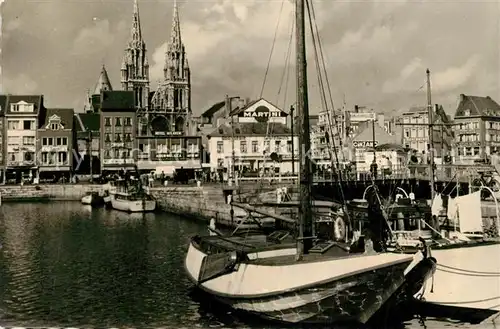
(56, 144)
(476, 128)
(118, 119)
(376, 136)
(262, 141)
(415, 130)
(88, 138)
(22, 116)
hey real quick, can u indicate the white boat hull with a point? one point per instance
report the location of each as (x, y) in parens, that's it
(466, 277)
(87, 200)
(133, 205)
(332, 290)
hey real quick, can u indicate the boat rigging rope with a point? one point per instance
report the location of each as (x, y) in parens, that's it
(467, 272)
(321, 69)
(272, 49)
(472, 301)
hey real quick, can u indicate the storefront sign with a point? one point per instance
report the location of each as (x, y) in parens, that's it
(261, 114)
(363, 144)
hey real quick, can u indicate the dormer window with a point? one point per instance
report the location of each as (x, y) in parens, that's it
(467, 112)
(22, 107)
(54, 123)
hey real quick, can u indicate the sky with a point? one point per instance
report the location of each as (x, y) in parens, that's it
(375, 52)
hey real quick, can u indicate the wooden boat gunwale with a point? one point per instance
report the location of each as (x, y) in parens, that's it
(292, 263)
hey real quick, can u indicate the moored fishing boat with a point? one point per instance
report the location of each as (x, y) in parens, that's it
(300, 278)
(133, 202)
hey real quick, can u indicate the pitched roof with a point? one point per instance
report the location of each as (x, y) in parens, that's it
(249, 104)
(381, 136)
(102, 82)
(66, 115)
(213, 109)
(477, 106)
(251, 129)
(90, 121)
(120, 100)
(37, 100)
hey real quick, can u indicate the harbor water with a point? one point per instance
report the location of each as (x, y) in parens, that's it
(63, 264)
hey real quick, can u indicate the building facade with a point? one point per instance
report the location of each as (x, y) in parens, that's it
(261, 138)
(88, 142)
(415, 130)
(118, 120)
(3, 105)
(22, 117)
(56, 144)
(476, 128)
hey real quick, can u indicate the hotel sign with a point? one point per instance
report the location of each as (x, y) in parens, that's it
(168, 133)
(363, 144)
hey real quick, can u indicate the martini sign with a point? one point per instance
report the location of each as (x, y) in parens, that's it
(261, 113)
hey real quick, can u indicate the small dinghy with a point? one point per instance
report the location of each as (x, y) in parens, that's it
(93, 199)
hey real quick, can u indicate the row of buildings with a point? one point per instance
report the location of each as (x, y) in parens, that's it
(136, 128)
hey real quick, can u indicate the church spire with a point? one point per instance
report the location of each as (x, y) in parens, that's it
(135, 33)
(135, 66)
(103, 82)
(175, 33)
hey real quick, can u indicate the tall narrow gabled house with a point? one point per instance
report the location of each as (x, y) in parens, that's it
(22, 117)
(166, 139)
(135, 66)
(56, 143)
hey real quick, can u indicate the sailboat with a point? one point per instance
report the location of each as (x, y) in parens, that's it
(293, 280)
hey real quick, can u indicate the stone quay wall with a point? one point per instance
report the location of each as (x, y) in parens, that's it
(67, 192)
(201, 203)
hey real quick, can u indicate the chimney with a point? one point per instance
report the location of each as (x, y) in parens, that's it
(242, 103)
(462, 97)
(356, 108)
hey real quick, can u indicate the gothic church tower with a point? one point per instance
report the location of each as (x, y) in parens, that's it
(135, 66)
(174, 93)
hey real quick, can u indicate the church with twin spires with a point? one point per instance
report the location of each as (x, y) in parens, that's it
(164, 136)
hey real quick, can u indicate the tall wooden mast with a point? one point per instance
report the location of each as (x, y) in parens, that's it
(431, 133)
(305, 177)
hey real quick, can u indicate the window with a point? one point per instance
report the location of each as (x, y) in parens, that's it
(58, 141)
(107, 121)
(14, 107)
(255, 146)
(44, 141)
(128, 121)
(277, 146)
(28, 140)
(220, 147)
(243, 146)
(65, 141)
(407, 133)
(128, 137)
(467, 112)
(54, 126)
(118, 138)
(62, 157)
(13, 140)
(476, 150)
(50, 141)
(45, 158)
(107, 154)
(118, 122)
(107, 138)
(28, 125)
(289, 146)
(13, 125)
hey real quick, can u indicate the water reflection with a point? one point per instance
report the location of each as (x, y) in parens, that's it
(64, 264)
